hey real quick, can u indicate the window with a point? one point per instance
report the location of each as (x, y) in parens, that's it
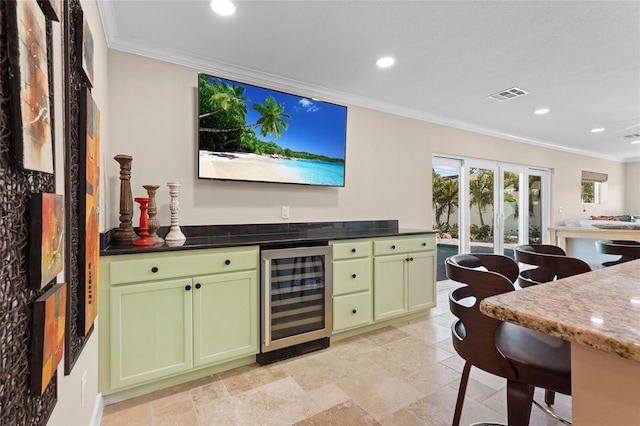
(591, 187)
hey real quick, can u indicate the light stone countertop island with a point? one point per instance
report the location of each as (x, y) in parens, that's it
(599, 313)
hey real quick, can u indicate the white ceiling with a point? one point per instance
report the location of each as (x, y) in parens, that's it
(581, 59)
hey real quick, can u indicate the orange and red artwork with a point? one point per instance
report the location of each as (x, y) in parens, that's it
(30, 85)
(46, 253)
(90, 150)
(49, 315)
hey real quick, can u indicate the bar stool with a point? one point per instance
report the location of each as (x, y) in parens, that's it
(526, 358)
(627, 249)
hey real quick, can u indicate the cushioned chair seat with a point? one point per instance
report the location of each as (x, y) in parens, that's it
(537, 357)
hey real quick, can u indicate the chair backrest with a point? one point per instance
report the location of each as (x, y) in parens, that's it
(628, 249)
(473, 334)
(543, 256)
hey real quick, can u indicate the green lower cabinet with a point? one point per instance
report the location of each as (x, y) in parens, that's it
(389, 286)
(420, 283)
(151, 331)
(225, 317)
(351, 310)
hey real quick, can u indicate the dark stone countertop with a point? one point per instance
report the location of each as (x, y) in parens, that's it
(274, 235)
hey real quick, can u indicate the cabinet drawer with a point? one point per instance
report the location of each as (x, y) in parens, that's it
(350, 276)
(351, 310)
(179, 265)
(404, 245)
(350, 250)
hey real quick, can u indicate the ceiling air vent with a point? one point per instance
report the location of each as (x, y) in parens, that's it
(633, 136)
(505, 95)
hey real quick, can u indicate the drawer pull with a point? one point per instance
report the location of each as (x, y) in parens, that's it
(187, 287)
(353, 311)
(424, 244)
(411, 259)
(353, 276)
(353, 250)
(393, 247)
(154, 269)
(227, 262)
(198, 285)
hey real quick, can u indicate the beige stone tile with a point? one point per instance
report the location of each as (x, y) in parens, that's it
(278, 403)
(208, 393)
(498, 403)
(251, 376)
(407, 356)
(175, 410)
(324, 368)
(328, 396)
(401, 418)
(140, 415)
(431, 378)
(379, 392)
(427, 331)
(476, 390)
(346, 413)
(352, 348)
(385, 335)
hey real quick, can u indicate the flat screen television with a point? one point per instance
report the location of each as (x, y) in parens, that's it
(251, 133)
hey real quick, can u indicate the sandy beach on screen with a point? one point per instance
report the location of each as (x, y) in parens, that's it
(232, 165)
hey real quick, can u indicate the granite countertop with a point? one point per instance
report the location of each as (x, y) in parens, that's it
(218, 236)
(600, 309)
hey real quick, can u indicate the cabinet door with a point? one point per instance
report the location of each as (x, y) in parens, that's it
(420, 281)
(151, 335)
(225, 317)
(389, 294)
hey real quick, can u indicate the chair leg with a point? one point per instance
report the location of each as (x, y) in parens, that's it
(462, 390)
(519, 400)
(549, 397)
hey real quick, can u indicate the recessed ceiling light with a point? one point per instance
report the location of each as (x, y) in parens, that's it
(635, 142)
(385, 62)
(541, 111)
(223, 7)
(597, 130)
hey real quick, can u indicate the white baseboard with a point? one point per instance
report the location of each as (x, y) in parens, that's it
(98, 408)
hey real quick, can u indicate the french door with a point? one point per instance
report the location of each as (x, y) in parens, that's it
(483, 206)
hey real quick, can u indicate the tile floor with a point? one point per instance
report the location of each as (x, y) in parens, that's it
(406, 374)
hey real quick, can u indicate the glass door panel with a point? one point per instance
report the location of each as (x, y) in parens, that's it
(482, 202)
(445, 174)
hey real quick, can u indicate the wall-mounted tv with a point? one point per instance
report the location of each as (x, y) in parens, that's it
(251, 133)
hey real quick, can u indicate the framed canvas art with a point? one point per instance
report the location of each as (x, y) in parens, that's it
(84, 42)
(49, 314)
(52, 8)
(33, 136)
(90, 204)
(46, 245)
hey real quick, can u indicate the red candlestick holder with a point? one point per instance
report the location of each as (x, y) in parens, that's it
(144, 240)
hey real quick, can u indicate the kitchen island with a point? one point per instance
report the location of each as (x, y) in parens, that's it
(599, 313)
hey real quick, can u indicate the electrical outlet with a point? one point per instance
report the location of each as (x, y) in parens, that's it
(83, 385)
(285, 212)
(559, 209)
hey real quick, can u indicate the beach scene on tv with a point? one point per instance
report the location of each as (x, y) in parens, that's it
(256, 134)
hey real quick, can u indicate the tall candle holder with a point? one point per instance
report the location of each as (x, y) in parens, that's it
(154, 223)
(124, 233)
(144, 240)
(175, 234)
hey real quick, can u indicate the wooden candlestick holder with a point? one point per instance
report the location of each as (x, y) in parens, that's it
(154, 223)
(124, 234)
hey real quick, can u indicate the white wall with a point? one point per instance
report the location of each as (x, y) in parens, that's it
(153, 108)
(632, 193)
(70, 410)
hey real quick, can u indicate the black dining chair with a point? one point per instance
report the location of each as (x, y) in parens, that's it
(626, 249)
(525, 357)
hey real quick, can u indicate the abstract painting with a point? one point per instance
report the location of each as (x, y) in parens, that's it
(52, 8)
(85, 44)
(49, 313)
(46, 248)
(30, 86)
(90, 186)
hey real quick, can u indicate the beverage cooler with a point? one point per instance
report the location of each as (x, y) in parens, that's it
(295, 302)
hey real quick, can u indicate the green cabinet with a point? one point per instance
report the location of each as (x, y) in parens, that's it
(166, 314)
(352, 280)
(404, 275)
